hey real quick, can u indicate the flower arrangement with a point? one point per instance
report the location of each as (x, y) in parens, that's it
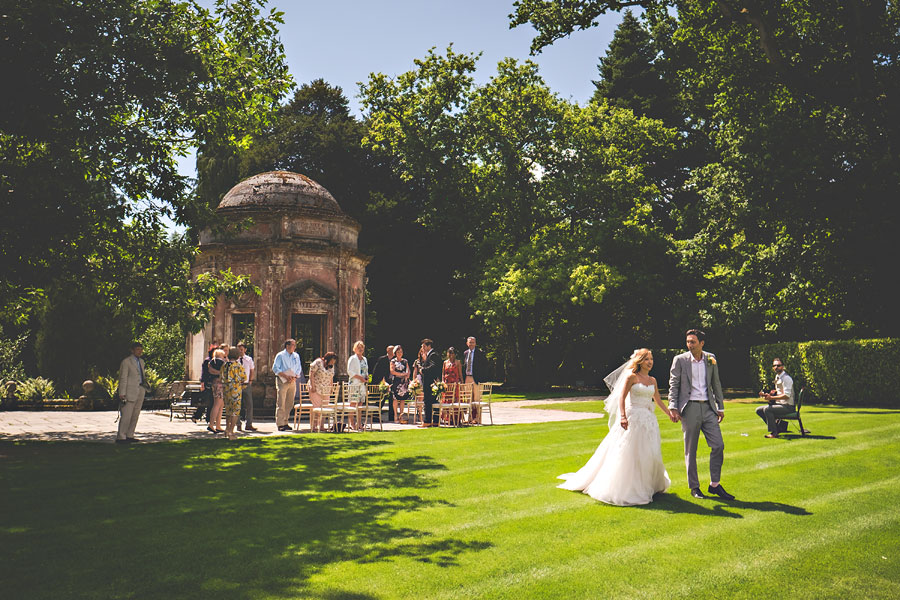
(438, 387)
(415, 387)
(384, 389)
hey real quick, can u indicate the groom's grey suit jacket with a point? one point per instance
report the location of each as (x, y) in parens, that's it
(680, 382)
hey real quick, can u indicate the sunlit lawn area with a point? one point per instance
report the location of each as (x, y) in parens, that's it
(452, 513)
(595, 406)
(500, 396)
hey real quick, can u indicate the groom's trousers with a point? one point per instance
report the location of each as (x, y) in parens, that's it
(697, 417)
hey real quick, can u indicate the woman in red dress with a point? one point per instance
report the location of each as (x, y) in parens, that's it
(452, 374)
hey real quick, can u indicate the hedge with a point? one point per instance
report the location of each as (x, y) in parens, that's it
(851, 372)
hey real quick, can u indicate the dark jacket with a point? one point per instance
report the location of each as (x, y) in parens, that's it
(382, 370)
(431, 369)
(479, 365)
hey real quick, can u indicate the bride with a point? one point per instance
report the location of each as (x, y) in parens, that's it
(627, 468)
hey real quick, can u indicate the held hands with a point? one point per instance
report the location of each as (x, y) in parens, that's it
(674, 415)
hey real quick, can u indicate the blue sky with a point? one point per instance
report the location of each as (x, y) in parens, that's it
(343, 41)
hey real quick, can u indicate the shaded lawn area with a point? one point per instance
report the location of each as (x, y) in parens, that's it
(452, 513)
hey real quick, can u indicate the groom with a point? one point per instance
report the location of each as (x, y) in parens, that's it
(696, 399)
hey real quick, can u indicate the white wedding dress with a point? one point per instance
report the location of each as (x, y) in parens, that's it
(627, 468)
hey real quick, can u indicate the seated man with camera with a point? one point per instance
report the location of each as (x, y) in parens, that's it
(780, 401)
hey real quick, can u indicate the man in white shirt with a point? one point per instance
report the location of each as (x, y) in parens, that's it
(780, 400)
(288, 370)
(246, 361)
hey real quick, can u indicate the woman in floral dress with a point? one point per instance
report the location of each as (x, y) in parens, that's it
(399, 383)
(321, 377)
(232, 379)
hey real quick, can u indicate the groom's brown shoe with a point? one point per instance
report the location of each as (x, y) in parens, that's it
(720, 492)
(696, 493)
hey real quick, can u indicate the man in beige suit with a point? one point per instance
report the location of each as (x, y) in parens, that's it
(132, 386)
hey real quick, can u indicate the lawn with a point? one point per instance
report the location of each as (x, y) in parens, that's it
(465, 513)
(593, 406)
(499, 396)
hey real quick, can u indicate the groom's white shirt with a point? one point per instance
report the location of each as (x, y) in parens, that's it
(698, 379)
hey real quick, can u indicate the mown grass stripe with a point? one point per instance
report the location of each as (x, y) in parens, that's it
(590, 561)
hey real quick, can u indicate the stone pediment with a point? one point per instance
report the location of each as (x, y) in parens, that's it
(308, 290)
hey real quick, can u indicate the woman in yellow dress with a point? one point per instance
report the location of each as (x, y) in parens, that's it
(232, 386)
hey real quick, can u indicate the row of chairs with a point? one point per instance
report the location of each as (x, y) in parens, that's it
(343, 407)
(458, 404)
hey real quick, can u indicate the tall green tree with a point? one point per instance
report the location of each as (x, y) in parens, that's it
(108, 96)
(793, 227)
(630, 77)
(537, 188)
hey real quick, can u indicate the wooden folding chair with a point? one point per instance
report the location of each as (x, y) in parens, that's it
(444, 405)
(462, 404)
(481, 403)
(326, 412)
(304, 406)
(415, 408)
(345, 408)
(370, 409)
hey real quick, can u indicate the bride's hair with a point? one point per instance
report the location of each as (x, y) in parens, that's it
(638, 357)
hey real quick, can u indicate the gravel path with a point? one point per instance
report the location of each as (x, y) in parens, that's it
(156, 427)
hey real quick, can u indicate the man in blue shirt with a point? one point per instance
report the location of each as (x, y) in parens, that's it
(288, 370)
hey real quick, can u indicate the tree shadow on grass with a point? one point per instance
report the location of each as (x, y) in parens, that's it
(207, 518)
(675, 504)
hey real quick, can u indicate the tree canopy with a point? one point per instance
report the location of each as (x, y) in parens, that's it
(107, 97)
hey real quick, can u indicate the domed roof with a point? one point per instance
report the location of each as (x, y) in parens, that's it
(278, 190)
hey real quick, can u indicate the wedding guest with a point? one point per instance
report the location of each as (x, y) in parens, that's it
(475, 372)
(452, 373)
(246, 361)
(780, 400)
(288, 370)
(475, 362)
(399, 384)
(232, 378)
(430, 370)
(417, 366)
(132, 386)
(382, 372)
(358, 372)
(215, 370)
(206, 399)
(321, 378)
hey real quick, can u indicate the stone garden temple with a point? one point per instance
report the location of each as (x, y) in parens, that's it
(296, 244)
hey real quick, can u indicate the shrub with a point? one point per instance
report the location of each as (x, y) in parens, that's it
(11, 357)
(842, 371)
(110, 384)
(155, 381)
(164, 349)
(36, 390)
